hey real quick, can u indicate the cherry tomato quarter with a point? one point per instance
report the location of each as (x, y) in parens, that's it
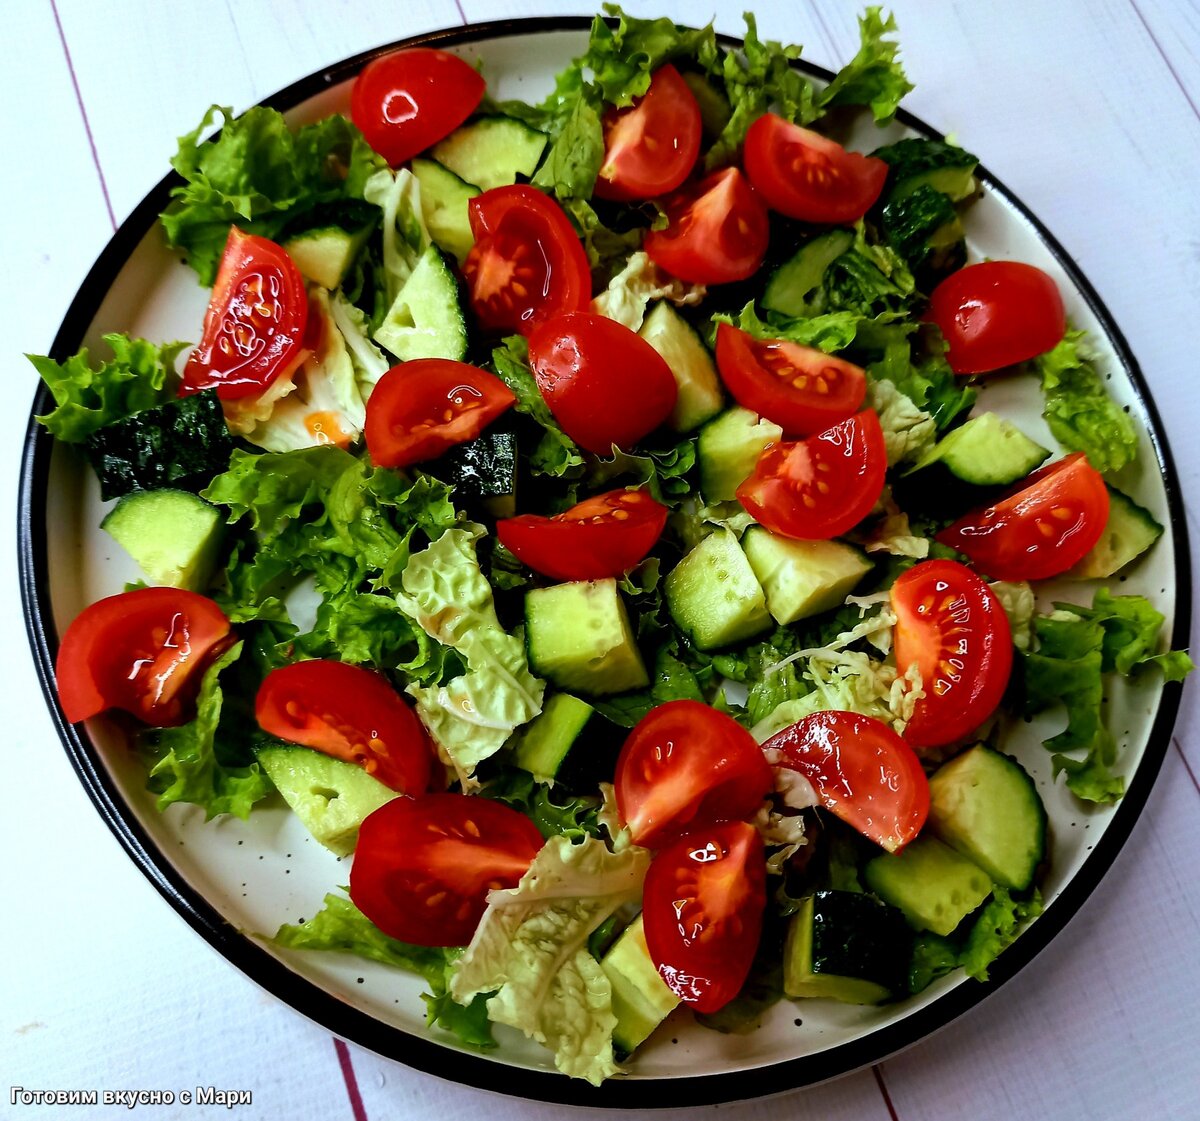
(862, 771)
(800, 388)
(650, 148)
(702, 909)
(144, 652)
(952, 626)
(717, 231)
(996, 313)
(350, 713)
(254, 328)
(805, 175)
(420, 408)
(527, 264)
(603, 382)
(684, 766)
(406, 100)
(603, 536)
(820, 487)
(423, 866)
(1048, 523)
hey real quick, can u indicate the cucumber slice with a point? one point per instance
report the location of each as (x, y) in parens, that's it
(793, 283)
(985, 807)
(728, 449)
(1131, 530)
(845, 946)
(934, 886)
(483, 470)
(578, 637)
(915, 163)
(444, 199)
(325, 255)
(803, 578)
(330, 796)
(640, 997)
(987, 451)
(426, 319)
(173, 535)
(543, 744)
(492, 151)
(714, 595)
(700, 396)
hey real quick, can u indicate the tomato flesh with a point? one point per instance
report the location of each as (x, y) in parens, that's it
(861, 770)
(952, 626)
(423, 866)
(600, 537)
(807, 176)
(1049, 523)
(685, 766)
(527, 264)
(997, 313)
(703, 904)
(350, 713)
(603, 382)
(717, 231)
(406, 100)
(254, 328)
(420, 408)
(650, 148)
(820, 487)
(143, 651)
(800, 388)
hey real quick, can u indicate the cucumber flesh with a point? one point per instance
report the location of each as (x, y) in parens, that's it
(543, 745)
(325, 255)
(714, 595)
(986, 451)
(985, 807)
(492, 151)
(173, 535)
(802, 578)
(330, 796)
(444, 206)
(792, 284)
(579, 638)
(728, 449)
(641, 999)
(933, 885)
(699, 389)
(426, 319)
(1131, 530)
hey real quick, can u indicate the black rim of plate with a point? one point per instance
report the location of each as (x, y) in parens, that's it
(448, 1061)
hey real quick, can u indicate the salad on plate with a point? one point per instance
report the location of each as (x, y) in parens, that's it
(583, 516)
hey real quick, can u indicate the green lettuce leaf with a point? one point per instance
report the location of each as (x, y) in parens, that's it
(874, 76)
(530, 950)
(1080, 413)
(890, 352)
(258, 174)
(576, 154)
(554, 812)
(139, 376)
(405, 237)
(996, 928)
(194, 763)
(341, 927)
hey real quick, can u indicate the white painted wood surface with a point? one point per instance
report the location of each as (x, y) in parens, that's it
(1088, 111)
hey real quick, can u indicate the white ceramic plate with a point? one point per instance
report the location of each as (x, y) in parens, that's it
(230, 878)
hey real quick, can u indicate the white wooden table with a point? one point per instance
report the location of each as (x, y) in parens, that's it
(1087, 110)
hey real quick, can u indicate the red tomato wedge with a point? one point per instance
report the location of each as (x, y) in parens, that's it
(650, 148)
(997, 313)
(350, 713)
(702, 906)
(684, 766)
(862, 771)
(807, 176)
(1048, 523)
(717, 231)
(255, 324)
(820, 487)
(406, 100)
(420, 408)
(423, 866)
(527, 264)
(800, 388)
(143, 651)
(950, 623)
(605, 535)
(603, 382)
